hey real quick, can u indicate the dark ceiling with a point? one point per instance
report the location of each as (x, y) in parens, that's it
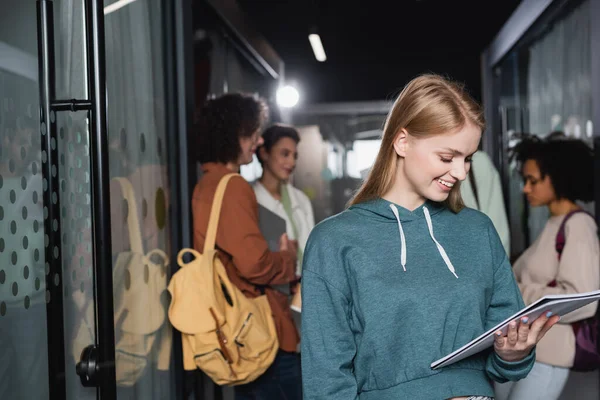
(374, 47)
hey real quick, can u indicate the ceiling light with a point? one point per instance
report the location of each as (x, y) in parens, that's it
(116, 5)
(287, 96)
(317, 46)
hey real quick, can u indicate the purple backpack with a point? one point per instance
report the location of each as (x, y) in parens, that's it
(587, 353)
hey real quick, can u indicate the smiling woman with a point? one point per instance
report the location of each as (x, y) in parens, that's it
(431, 168)
(428, 137)
(407, 273)
(274, 191)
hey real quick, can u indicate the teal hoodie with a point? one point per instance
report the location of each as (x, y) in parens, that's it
(387, 291)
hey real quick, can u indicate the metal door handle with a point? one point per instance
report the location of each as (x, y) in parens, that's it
(87, 367)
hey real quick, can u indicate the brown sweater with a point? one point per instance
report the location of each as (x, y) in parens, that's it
(243, 249)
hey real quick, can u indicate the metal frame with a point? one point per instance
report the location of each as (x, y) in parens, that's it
(184, 56)
(522, 19)
(177, 57)
(51, 198)
(100, 179)
(519, 22)
(102, 368)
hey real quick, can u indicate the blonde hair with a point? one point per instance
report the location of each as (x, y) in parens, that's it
(428, 105)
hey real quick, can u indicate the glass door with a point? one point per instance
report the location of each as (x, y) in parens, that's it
(76, 208)
(84, 201)
(26, 303)
(139, 197)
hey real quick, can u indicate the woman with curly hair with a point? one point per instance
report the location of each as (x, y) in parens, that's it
(229, 131)
(557, 173)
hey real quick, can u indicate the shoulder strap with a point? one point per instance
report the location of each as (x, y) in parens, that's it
(215, 212)
(474, 187)
(560, 241)
(133, 224)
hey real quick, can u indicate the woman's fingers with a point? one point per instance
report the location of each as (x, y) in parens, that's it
(499, 340)
(523, 329)
(523, 333)
(538, 325)
(512, 335)
(542, 324)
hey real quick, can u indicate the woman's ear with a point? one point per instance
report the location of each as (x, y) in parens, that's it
(401, 142)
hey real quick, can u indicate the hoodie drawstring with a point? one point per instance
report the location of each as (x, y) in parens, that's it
(439, 246)
(430, 226)
(402, 239)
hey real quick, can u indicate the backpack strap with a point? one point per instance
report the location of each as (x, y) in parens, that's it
(474, 186)
(560, 241)
(133, 223)
(183, 252)
(215, 212)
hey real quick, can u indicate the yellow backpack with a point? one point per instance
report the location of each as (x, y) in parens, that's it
(230, 337)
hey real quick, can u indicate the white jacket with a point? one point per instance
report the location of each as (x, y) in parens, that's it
(489, 190)
(302, 211)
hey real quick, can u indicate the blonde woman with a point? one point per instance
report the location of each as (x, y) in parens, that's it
(407, 275)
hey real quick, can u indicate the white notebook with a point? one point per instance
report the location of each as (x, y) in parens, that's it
(557, 303)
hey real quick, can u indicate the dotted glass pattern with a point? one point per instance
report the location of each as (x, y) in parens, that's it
(23, 295)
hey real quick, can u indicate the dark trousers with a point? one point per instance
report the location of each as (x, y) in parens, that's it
(281, 381)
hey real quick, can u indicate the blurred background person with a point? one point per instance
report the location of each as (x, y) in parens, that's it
(229, 132)
(278, 155)
(557, 174)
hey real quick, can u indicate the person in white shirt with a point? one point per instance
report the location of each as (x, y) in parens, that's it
(273, 190)
(278, 155)
(483, 191)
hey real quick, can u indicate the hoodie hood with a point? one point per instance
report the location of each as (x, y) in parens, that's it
(380, 209)
(388, 211)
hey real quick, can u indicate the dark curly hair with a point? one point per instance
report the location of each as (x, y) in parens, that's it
(222, 121)
(568, 162)
(273, 134)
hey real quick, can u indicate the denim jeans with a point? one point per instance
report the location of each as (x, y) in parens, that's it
(281, 381)
(544, 382)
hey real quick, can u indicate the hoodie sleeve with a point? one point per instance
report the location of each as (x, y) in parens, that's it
(506, 300)
(328, 347)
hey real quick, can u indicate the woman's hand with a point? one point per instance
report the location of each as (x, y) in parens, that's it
(522, 336)
(290, 246)
(284, 242)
